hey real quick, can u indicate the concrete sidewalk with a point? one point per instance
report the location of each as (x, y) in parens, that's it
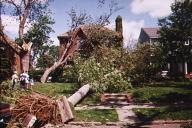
(125, 112)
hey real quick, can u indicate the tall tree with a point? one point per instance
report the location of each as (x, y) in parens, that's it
(26, 11)
(39, 35)
(176, 31)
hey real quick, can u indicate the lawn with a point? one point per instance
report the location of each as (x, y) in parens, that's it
(165, 92)
(165, 113)
(55, 89)
(67, 89)
(158, 93)
(96, 115)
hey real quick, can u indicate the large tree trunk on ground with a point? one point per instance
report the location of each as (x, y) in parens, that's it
(77, 96)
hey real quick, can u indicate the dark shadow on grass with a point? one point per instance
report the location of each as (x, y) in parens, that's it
(182, 85)
(163, 114)
(172, 98)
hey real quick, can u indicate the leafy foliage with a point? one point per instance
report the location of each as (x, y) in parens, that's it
(45, 61)
(176, 29)
(101, 71)
(5, 64)
(47, 56)
(143, 63)
(5, 87)
(39, 35)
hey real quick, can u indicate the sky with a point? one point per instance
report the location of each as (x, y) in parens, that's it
(135, 14)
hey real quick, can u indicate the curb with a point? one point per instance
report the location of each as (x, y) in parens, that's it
(95, 123)
(170, 121)
(164, 122)
(85, 123)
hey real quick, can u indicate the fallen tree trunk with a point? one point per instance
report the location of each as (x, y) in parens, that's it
(64, 109)
(70, 49)
(77, 96)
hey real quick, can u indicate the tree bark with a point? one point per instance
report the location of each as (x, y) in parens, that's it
(47, 72)
(69, 51)
(21, 53)
(77, 96)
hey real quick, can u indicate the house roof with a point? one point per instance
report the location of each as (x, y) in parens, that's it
(86, 29)
(152, 32)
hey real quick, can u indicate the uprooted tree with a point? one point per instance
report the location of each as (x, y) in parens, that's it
(25, 11)
(77, 34)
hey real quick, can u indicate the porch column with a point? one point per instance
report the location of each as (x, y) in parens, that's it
(168, 66)
(185, 69)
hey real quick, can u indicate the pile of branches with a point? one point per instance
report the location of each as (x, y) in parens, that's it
(44, 108)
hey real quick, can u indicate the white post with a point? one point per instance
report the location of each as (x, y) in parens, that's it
(186, 72)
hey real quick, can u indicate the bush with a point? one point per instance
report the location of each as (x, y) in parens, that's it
(36, 74)
(103, 77)
(143, 63)
(57, 74)
(69, 74)
(5, 87)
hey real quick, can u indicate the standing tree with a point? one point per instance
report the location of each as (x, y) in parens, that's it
(176, 32)
(26, 11)
(39, 35)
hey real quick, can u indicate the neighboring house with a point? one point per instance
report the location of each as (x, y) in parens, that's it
(148, 35)
(175, 66)
(84, 32)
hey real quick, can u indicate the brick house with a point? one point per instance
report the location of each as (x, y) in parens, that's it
(65, 37)
(175, 66)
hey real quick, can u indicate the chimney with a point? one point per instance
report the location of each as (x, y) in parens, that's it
(119, 26)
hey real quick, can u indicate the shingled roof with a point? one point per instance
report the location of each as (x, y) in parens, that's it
(87, 28)
(152, 32)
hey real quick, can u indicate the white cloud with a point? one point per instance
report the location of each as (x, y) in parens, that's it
(11, 24)
(131, 31)
(155, 8)
(55, 41)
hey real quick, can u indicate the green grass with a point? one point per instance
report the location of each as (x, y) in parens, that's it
(13, 96)
(172, 113)
(52, 90)
(55, 89)
(96, 115)
(67, 89)
(168, 92)
(90, 99)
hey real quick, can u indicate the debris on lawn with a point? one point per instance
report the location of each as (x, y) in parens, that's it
(38, 110)
(44, 109)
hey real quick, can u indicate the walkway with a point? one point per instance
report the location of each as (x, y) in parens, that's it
(126, 114)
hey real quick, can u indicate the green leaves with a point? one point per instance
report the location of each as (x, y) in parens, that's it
(176, 29)
(102, 71)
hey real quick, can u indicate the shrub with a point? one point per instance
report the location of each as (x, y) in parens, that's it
(69, 74)
(5, 87)
(143, 63)
(36, 74)
(102, 73)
